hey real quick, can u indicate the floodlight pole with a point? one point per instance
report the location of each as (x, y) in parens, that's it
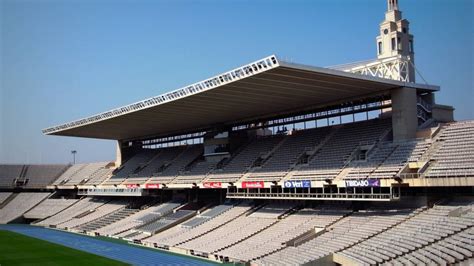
(73, 152)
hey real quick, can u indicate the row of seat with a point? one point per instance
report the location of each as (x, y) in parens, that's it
(103, 221)
(21, 203)
(387, 159)
(30, 176)
(82, 206)
(81, 174)
(275, 237)
(271, 234)
(182, 234)
(48, 208)
(416, 233)
(346, 232)
(455, 155)
(450, 250)
(270, 158)
(315, 154)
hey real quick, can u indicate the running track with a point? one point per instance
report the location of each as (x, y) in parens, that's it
(117, 251)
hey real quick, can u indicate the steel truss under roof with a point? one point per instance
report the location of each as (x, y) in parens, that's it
(263, 89)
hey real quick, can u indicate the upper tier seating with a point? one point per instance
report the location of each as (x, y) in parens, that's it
(48, 208)
(80, 174)
(131, 166)
(403, 153)
(315, 154)
(198, 171)
(455, 155)
(387, 159)
(363, 169)
(39, 176)
(156, 165)
(99, 176)
(8, 173)
(326, 152)
(329, 160)
(69, 175)
(20, 204)
(242, 161)
(286, 156)
(178, 165)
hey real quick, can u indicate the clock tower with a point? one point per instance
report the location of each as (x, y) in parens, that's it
(395, 38)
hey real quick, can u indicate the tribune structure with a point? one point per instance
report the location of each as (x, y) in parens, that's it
(275, 129)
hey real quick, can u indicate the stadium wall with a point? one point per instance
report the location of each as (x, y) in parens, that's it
(404, 114)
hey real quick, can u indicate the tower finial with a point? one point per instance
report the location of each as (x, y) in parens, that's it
(392, 5)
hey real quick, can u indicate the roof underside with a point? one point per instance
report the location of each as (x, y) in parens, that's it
(279, 88)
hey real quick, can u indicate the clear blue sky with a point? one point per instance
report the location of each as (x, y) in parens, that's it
(63, 60)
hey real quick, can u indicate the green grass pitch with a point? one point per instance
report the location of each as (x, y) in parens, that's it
(17, 249)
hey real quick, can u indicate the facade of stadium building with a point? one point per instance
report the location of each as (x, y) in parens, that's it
(273, 163)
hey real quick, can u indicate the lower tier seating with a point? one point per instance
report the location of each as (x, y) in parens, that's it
(22, 202)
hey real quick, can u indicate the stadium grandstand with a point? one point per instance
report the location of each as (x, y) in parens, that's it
(273, 163)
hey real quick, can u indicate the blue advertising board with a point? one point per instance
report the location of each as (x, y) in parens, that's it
(297, 184)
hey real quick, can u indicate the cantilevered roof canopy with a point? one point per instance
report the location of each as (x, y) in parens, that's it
(261, 89)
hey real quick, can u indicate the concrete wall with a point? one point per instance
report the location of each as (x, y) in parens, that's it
(443, 113)
(404, 113)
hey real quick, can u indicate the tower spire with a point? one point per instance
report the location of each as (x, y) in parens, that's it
(392, 5)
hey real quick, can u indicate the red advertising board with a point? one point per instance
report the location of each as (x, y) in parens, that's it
(212, 184)
(133, 186)
(252, 184)
(152, 186)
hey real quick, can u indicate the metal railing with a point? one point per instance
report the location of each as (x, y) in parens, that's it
(452, 174)
(316, 196)
(428, 107)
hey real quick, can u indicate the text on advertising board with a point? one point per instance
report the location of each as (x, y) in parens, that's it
(252, 184)
(363, 183)
(212, 184)
(297, 184)
(152, 186)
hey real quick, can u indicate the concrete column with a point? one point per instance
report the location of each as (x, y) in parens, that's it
(404, 113)
(118, 156)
